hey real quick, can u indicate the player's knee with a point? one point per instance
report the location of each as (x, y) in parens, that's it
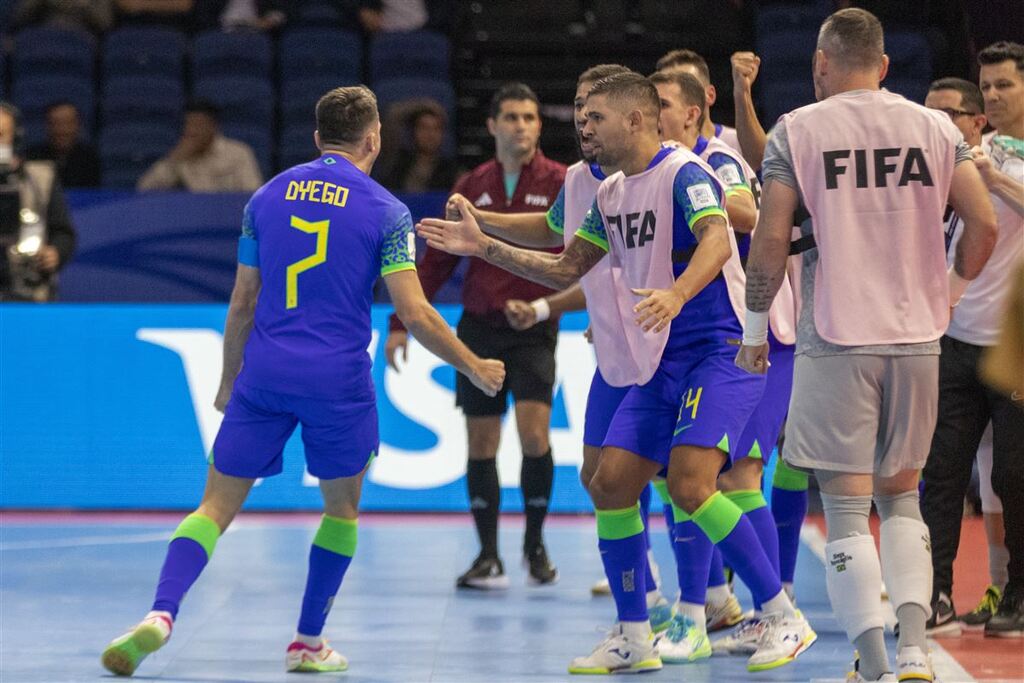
(534, 442)
(586, 475)
(607, 494)
(689, 493)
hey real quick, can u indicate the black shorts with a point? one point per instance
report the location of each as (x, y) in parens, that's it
(529, 358)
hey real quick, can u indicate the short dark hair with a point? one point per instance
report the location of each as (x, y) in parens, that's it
(511, 91)
(203, 107)
(344, 114)
(1002, 51)
(685, 58)
(632, 88)
(690, 87)
(596, 73)
(61, 103)
(853, 37)
(970, 94)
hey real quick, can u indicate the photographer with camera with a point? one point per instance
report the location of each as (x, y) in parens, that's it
(36, 235)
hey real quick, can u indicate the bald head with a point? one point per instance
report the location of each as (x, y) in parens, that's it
(852, 39)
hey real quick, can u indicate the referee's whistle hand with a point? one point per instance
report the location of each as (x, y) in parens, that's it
(488, 375)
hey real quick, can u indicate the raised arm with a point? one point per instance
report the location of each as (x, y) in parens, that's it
(752, 137)
(558, 271)
(427, 325)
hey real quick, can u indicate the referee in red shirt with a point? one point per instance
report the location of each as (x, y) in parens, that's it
(519, 179)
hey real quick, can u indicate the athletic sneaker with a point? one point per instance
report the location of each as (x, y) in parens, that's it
(914, 664)
(986, 609)
(619, 654)
(124, 654)
(487, 573)
(853, 676)
(724, 614)
(742, 641)
(943, 621)
(659, 611)
(783, 639)
(683, 642)
(1008, 621)
(302, 658)
(540, 570)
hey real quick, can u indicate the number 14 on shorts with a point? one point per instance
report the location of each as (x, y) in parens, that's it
(691, 402)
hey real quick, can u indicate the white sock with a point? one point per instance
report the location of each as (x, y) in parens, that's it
(719, 594)
(788, 587)
(694, 611)
(637, 631)
(780, 604)
(652, 598)
(310, 641)
(853, 576)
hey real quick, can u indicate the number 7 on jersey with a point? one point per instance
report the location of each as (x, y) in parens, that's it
(320, 229)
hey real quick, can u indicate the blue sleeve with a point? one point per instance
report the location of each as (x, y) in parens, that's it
(398, 250)
(593, 229)
(248, 246)
(556, 214)
(730, 172)
(697, 194)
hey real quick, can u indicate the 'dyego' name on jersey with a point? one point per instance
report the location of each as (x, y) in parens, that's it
(319, 191)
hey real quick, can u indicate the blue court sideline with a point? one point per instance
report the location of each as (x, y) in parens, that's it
(70, 584)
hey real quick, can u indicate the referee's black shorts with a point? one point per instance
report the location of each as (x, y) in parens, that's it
(529, 358)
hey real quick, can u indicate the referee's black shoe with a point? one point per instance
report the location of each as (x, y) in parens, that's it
(1008, 621)
(541, 571)
(487, 573)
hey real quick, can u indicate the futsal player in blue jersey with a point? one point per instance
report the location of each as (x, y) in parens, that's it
(314, 240)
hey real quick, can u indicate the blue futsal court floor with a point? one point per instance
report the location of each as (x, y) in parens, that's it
(71, 583)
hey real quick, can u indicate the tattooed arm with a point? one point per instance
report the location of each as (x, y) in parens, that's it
(557, 271)
(769, 248)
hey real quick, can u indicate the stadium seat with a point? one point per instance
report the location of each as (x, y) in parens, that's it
(144, 51)
(216, 54)
(139, 99)
(243, 100)
(299, 97)
(782, 96)
(48, 51)
(910, 56)
(297, 146)
(127, 150)
(319, 52)
(398, 89)
(419, 54)
(33, 94)
(258, 137)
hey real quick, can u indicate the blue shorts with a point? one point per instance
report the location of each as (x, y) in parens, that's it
(697, 397)
(765, 425)
(602, 402)
(340, 437)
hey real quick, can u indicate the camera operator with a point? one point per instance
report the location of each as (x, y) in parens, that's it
(36, 235)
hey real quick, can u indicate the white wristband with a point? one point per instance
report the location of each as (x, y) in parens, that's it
(957, 287)
(541, 309)
(755, 329)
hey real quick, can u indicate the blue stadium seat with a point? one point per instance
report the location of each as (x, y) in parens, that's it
(297, 145)
(33, 94)
(419, 54)
(127, 150)
(257, 137)
(49, 51)
(782, 96)
(910, 56)
(216, 54)
(243, 100)
(144, 51)
(299, 97)
(398, 89)
(787, 52)
(789, 16)
(142, 99)
(317, 13)
(321, 52)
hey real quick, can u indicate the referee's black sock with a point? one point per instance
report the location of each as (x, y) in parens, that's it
(484, 501)
(535, 479)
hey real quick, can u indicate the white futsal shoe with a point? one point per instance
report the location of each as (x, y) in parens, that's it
(302, 658)
(683, 642)
(725, 614)
(742, 640)
(914, 664)
(619, 654)
(783, 639)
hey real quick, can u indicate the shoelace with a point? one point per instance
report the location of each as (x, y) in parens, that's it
(678, 629)
(746, 627)
(989, 603)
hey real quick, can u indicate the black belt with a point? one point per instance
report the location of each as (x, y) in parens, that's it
(799, 246)
(684, 256)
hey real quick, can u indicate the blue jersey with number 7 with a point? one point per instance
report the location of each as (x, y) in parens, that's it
(320, 233)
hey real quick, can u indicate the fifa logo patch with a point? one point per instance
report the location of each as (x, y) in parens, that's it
(629, 581)
(536, 200)
(839, 561)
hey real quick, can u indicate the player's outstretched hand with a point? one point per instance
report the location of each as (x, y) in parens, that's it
(396, 341)
(658, 308)
(488, 375)
(745, 66)
(753, 359)
(462, 237)
(520, 314)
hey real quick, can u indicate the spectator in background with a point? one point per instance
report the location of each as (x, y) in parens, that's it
(204, 160)
(78, 164)
(257, 15)
(417, 165)
(37, 238)
(90, 16)
(171, 13)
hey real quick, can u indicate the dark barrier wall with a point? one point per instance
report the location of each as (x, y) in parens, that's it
(165, 247)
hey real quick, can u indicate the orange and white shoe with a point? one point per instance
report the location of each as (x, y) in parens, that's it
(302, 658)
